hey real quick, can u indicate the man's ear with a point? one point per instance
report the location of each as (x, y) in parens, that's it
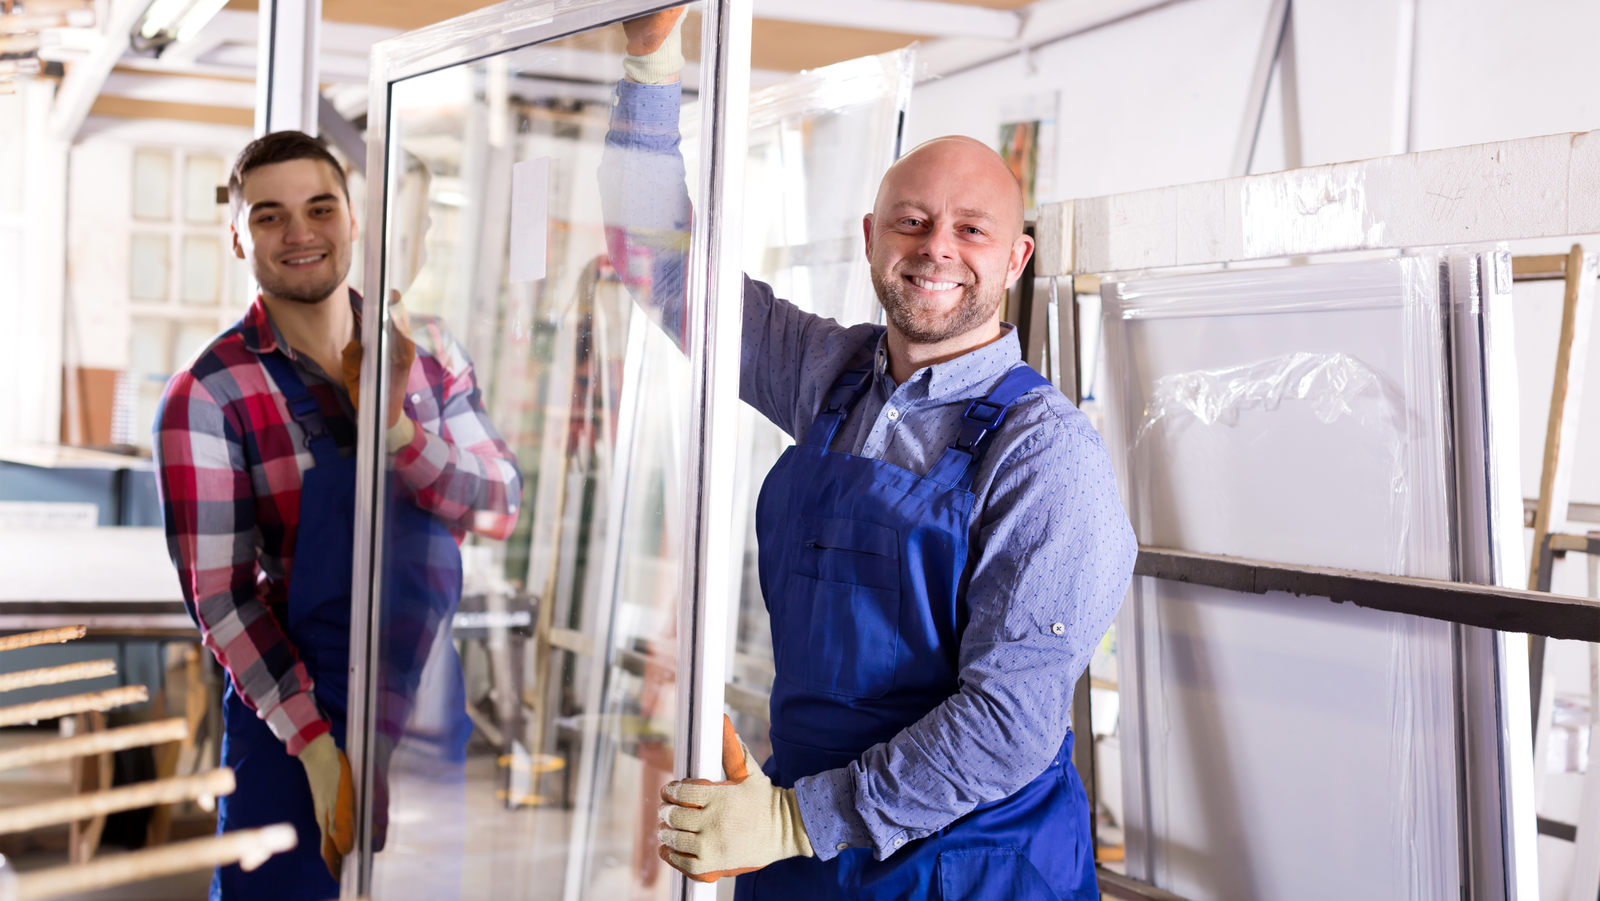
(233, 233)
(866, 230)
(1020, 252)
(355, 230)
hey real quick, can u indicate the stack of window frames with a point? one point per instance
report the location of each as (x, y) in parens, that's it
(1337, 415)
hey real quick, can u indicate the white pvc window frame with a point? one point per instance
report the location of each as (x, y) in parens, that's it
(715, 288)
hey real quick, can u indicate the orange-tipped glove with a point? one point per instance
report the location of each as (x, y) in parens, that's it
(332, 797)
(714, 829)
(402, 355)
(655, 46)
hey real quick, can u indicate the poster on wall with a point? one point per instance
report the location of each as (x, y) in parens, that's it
(1028, 145)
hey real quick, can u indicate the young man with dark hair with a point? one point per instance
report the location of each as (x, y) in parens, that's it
(256, 443)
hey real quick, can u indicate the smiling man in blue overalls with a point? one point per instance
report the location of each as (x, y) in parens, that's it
(939, 553)
(255, 442)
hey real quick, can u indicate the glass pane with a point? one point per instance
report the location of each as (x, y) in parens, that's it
(147, 267)
(819, 145)
(202, 270)
(526, 762)
(202, 175)
(191, 338)
(149, 367)
(152, 184)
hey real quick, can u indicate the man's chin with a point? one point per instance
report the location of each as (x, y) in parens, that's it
(306, 293)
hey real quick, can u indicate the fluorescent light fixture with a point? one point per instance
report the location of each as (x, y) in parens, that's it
(160, 17)
(199, 14)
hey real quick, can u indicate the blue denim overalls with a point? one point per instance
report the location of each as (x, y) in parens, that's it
(422, 584)
(862, 565)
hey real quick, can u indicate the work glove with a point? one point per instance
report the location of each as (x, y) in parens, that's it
(403, 353)
(714, 829)
(655, 46)
(332, 797)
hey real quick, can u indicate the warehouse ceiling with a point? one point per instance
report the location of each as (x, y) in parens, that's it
(210, 77)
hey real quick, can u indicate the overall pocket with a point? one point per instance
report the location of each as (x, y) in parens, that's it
(991, 874)
(841, 628)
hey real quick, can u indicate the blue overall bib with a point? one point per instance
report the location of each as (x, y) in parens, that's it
(862, 566)
(423, 580)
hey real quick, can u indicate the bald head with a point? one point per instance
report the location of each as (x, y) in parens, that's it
(956, 165)
(945, 240)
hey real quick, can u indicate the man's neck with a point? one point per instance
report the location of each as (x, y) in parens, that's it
(906, 356)
(317, 330)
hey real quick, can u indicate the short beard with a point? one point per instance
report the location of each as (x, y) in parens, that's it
(922, 326)
(311, 295)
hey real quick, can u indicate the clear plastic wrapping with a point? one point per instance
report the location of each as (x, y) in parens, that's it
(1282, 746)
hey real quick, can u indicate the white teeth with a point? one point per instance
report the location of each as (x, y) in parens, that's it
(298, 260)
(928, 285)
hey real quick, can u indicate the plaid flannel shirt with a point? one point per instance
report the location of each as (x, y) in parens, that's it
(231, 461)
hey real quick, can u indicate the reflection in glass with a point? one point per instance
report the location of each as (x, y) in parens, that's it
(202, 270)
(566, 630)
(152, 185)
(147, 266)
(202, 175)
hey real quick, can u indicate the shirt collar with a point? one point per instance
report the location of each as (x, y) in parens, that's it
(967, 375)
(261, 334)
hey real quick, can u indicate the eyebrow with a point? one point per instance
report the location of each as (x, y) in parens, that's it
(273, 204)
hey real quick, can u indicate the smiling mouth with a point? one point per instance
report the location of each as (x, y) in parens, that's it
(310, 259)
(928, 284)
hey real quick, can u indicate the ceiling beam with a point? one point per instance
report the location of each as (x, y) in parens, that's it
(83, 81)
(927, 18)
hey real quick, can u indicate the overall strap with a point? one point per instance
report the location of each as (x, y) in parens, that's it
(958, 465)
(846, 390)
(303, 407)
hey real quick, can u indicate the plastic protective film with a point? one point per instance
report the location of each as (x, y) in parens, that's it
(819, 145)
(1278, 746)
(526, 688)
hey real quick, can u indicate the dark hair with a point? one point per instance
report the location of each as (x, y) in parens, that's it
(278, 147)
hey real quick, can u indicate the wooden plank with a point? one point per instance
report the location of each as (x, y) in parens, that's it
(1566, 398)
(56, 675)
(139, 736)
(98, 701)
(1525, 269)
(45, 636)
(250, 848)
(131, 797)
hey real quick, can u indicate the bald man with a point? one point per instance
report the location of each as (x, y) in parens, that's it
(940, 551)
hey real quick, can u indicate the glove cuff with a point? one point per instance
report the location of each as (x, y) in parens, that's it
(662, 63)
(796, 843)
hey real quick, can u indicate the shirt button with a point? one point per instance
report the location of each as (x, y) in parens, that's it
(1058, 629)
(416, 398)
(898, 842)
(842, 846)
(893, 414)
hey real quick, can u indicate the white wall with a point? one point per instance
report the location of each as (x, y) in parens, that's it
(31, 269)
(1156, 99)
(1159, 98)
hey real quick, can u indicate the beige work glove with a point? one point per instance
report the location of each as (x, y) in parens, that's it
(655, 46)
(714, 829)
(332, 797)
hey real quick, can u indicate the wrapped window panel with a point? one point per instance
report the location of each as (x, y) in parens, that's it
(1279, 746)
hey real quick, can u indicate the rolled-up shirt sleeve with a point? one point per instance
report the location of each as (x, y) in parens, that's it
(1054, 554)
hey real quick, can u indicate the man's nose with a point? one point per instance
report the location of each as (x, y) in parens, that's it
(298, 231)
(939, 245)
